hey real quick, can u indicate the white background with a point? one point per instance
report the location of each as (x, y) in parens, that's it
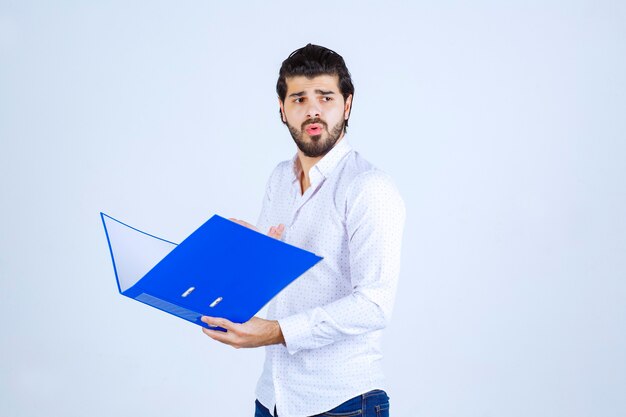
(502, 124)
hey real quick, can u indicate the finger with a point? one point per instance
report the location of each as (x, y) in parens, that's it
(276, 231)
(208, 320)
(218, 321)
(243, 223)
(222, 337)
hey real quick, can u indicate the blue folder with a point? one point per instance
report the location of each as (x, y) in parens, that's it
(222, 269)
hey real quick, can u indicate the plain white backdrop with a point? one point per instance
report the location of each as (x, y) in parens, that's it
(502, 124)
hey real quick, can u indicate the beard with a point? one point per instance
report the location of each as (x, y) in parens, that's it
(316, 146)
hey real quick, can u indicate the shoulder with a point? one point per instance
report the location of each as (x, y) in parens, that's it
(368, 179)
(283, 168)
(282, 171)
(368, 186)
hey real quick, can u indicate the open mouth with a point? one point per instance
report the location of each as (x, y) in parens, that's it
(313, 129)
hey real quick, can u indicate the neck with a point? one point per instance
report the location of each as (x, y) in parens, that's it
(307, 162)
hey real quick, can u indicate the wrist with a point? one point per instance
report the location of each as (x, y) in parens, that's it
(277, 334)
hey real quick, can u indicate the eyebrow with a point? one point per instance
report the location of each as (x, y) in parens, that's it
(318, 91)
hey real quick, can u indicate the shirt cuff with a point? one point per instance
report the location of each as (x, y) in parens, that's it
(296, 332)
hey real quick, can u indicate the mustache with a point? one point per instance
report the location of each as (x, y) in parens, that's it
(317, 120)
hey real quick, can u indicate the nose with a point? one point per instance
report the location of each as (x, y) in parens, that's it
(313, 111)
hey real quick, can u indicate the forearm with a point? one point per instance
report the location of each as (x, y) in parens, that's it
(256, 332)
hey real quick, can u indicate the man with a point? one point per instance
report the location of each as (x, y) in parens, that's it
(323, 332)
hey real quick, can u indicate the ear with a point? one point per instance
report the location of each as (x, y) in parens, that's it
(282, 110)
(347, 107)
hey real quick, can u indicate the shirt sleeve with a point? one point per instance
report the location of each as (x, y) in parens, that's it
(375, 216)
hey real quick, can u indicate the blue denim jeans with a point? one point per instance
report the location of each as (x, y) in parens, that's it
(371, 404)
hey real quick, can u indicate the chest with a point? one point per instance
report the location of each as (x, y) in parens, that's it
(315, 220)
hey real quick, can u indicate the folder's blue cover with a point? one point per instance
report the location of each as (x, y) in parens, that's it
(222, 269)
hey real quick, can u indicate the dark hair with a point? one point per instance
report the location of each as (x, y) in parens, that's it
(311, 61)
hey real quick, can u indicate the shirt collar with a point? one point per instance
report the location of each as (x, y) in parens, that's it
(327, 164)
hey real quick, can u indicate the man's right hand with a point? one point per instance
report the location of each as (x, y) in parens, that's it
(275, 231)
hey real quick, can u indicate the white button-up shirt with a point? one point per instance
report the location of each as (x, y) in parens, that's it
(333, 315)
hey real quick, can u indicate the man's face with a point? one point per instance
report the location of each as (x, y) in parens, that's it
(315, 113)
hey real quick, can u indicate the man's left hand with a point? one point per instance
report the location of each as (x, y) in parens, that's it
(255, 332)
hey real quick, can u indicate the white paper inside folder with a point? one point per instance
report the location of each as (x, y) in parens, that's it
(134, 252)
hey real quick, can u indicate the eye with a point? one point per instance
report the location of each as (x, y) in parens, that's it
(298, 100)
(326, 98)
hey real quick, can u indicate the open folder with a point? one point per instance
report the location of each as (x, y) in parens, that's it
(222, 269)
